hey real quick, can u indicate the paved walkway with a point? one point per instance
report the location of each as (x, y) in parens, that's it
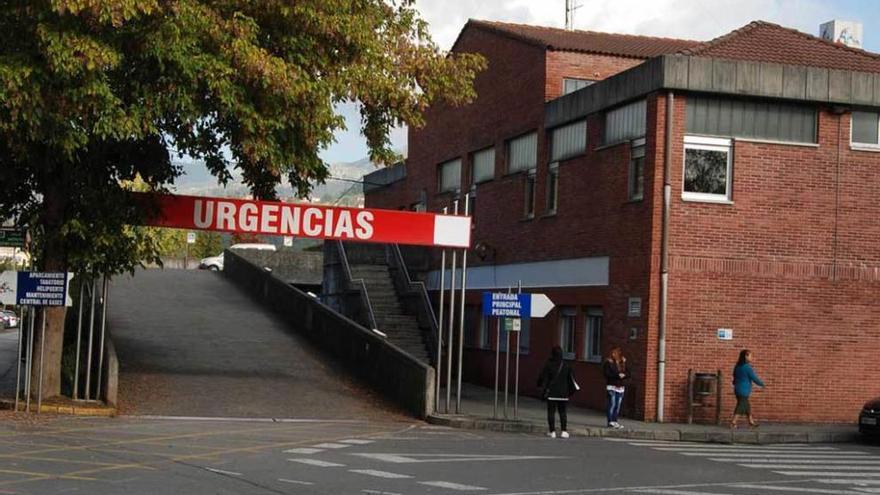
(478, 407)
(190, 343)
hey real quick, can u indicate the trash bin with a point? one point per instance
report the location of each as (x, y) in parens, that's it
(700, 388)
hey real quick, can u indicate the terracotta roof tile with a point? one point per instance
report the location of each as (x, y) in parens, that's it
(623, 45)
(766, 42)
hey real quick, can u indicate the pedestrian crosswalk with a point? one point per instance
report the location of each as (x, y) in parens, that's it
(817, 469)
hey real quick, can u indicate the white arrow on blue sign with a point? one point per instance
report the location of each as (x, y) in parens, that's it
(504, 305)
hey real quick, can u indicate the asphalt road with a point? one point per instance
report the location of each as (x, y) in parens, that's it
(190, 343)
(148, 456)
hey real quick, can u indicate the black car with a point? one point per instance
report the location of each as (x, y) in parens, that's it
(869, 418)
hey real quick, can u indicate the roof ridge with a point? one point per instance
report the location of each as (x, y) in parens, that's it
(726, 38)
(585, 31)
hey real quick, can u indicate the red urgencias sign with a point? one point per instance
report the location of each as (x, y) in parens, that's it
(307, 220)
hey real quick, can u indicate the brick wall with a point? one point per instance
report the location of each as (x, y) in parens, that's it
(581, 66)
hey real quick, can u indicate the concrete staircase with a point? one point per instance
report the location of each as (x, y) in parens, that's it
(391, 317)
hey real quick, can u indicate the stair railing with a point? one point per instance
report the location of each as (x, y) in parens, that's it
(406, 285)
(359, 285)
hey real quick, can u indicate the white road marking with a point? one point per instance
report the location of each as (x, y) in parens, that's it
(452, 486)
(303, 450)
(331, 445)
(704, 446)
(779, 459)
(829, 453)
(425, 458)
(316, 462)
(581, 491)
(850, 482)
(781, 456)
(220, 471)
(797, 489)
(380, 474)
(357, 441)
(245, 420)
(832, 474)
(295, 482)
(676, 492)
(379, 492)
(799, 466)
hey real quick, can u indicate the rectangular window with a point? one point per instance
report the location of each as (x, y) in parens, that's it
(593, 335)
(707, 169)
(531, 185)
(637, 171)
(552, 188)
(522, 153)
(483, 166)
(568, 141)
(567, 318)
(450, 175)
(866, 128)
(570, 84)
(626, 122)
(751, 119)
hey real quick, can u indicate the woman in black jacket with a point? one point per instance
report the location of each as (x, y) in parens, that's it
(557, 380)
(614, 369)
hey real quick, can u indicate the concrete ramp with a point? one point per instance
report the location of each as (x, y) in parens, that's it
(190, 343)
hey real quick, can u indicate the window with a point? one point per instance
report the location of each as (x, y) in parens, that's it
(593, 335)
(570, 84)
(483, 165)
(637, 170)
(707, 169)
(626, 122)
(568, 141)
(634, 307)
(522, 153)
(531, 185)
(552, 188)
(866, 128)
(567, 320)
(751, 119)
(450, 175)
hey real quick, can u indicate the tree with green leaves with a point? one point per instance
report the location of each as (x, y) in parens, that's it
(97, 92)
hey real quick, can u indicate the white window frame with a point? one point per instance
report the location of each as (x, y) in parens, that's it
(552, 205)
(530, 193)
(864, 146)
(708, 144)
(590, 354)
(589, 82)
(564, 315)
(637, 150)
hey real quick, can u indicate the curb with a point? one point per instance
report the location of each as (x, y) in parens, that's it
(742, 437)
(66, 410)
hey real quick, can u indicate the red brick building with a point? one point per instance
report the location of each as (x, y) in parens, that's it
(766, 144)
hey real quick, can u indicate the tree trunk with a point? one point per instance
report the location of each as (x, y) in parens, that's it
(51, 353)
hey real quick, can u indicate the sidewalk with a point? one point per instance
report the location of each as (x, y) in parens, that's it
(477, 404)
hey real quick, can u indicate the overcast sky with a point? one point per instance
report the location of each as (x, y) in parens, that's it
(692, 19)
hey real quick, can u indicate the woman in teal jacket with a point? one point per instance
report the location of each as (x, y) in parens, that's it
(743, 377)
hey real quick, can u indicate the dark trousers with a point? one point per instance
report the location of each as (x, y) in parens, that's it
(552, 407)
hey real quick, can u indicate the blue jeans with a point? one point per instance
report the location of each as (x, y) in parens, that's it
(615, 399)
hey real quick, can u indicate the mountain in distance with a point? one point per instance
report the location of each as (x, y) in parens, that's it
(341, 188)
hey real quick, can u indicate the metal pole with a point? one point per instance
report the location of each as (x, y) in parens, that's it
(439, 364)
(79, 321)
(42, 356)
(516, 373)
(449, 338)
(105, 293)
(21, 323)
(497, 363)
(506, 367)
(91, 341)
(461, 316)
(30, 359)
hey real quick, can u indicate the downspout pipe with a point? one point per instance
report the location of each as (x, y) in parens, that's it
(664, 257)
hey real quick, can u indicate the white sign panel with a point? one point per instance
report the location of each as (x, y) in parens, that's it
(288, 241)
(190, 237)
(541, 305)
(725, 334)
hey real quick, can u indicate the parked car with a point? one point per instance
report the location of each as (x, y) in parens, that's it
(869, 418)
(8, 319)
(215, 263)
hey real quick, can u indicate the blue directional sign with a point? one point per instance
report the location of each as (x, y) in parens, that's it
(41, 289)
(505, 305)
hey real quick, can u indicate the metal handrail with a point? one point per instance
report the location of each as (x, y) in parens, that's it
(418, 286)
(365, 298)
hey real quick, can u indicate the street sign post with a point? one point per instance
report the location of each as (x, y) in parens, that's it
(12, 237)
(511, 309)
